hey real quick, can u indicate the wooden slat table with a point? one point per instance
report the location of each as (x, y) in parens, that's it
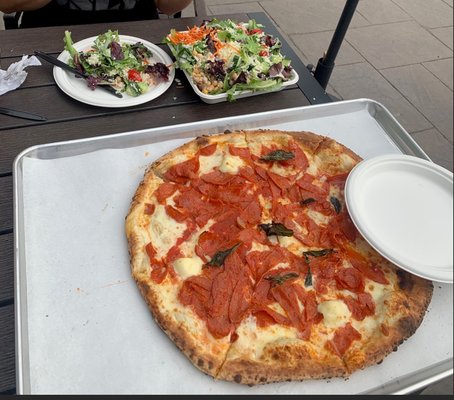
(69, 119)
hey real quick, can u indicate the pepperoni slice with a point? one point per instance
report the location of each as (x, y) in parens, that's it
(249, 235)
(218, 322)
(149, 208)
(342, 340)
(252, 213)
(309, 189)
(347, 228)
(196, 291)
(217, 178)
(158, 268)
(208, 150)
(242, 152)
(350, 279)
(282, 182)
(287, 298)
(183, 171)
(338, 179)
(240, 300)
(209, 243)
(369, 270)
(177, 215)
(164, 191)
(361, 307)
(267, 316)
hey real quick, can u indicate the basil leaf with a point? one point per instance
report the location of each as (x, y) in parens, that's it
(336, 204)
(276, 229)
(278, 155)
(308, 280)
(307, 201)
(218, 259)
(316, 253)
(280, 279)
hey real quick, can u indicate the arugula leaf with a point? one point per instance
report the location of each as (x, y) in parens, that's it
(336, 204)
(308, 280)
(280, 279)
(278, 155)
(307, 201)
(316, 253)
(276, 228)
(218, 259)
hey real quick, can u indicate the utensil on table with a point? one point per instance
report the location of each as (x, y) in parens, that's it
(55, 61)
(21, 114)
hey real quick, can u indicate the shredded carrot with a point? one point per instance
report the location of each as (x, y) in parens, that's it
(190, 36)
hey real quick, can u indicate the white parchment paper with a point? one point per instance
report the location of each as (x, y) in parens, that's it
(89, 330)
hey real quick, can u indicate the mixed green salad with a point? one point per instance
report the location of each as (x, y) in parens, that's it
(126, 67)
(222, 56)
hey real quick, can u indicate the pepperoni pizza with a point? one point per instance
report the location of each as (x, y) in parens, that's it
(242, 246)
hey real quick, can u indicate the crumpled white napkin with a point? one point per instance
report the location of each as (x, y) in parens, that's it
(15, 75)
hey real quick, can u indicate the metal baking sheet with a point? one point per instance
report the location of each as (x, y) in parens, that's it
(82, 326)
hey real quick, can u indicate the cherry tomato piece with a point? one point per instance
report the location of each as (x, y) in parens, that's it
(134, 75)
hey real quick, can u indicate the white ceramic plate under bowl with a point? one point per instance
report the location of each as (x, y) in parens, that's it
(403, 206)
(77, 88)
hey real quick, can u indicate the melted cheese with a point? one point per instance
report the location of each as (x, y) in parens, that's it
(164, 231)
(231, 164)
(292, 244)
(278, 169)
(312, 169)
(335, 313)
(318, 218)
(188, 266)
(188, 246)
(266, 206)
(208, 163)
(259, 247)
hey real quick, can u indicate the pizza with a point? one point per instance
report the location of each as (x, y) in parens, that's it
(242, 246)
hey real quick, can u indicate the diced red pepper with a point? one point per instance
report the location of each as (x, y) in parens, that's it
(263, 53)
(134, 75)
(254, 31)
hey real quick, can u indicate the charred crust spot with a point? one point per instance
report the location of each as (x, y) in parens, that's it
(407, 326)
(405, 280)
(200, 362)
(275, 356)
(202, 141)
(237, 378)
(227, 131)
(262, 379)
(210, 365)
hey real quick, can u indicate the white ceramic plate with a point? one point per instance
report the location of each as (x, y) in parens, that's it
(78, 89)
(403, 206)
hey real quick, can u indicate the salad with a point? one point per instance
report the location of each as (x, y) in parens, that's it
(228, 57)
(125, 67)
